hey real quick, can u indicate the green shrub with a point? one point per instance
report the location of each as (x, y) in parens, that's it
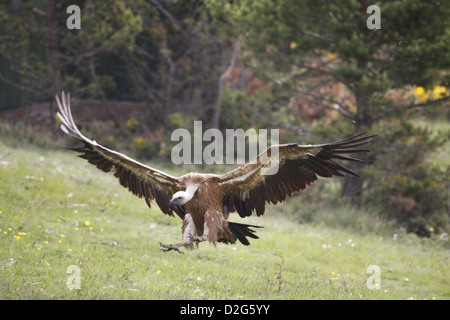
(419, 204)
(404, 181)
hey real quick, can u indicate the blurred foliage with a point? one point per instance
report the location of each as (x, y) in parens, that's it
(407, 176)
(181, 120)
(421, 205)
(403, 179)
(48, 57)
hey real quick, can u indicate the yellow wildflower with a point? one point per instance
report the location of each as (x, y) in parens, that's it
(439, 92)
(436, 93)
(132, 122)
(139, 142)
(421, 93)
(331, 56)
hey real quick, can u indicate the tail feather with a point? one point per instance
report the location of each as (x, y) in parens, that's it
(241, 231)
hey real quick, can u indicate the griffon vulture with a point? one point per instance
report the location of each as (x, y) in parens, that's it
(204, 201)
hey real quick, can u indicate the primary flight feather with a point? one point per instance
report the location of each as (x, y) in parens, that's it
(204, 201)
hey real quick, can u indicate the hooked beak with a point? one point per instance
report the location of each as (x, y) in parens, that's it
(171, 203)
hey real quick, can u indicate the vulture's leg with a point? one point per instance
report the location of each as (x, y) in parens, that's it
(197, 240)
(188, 236)
(213, 226)
(206, 227)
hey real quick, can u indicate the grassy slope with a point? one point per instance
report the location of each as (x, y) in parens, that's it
(56, 210)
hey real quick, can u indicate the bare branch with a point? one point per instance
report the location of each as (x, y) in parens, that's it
(222, 79)
(410, 106)
(168, 15)
(15, 84)
(342, 109)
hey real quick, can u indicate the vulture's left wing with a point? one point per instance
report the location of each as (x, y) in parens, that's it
(141, 180)
(282, 170)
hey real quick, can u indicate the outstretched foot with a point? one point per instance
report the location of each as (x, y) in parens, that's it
(169, 247)
(188, 244)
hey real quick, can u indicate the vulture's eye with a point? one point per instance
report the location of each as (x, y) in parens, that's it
(179, 198)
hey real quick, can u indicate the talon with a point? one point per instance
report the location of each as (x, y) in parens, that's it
(199, 239)
(175, 249)
(169, 247)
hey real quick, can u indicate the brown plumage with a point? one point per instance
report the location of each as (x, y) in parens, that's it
(204, 201)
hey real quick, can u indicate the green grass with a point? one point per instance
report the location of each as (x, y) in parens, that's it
(57, 210)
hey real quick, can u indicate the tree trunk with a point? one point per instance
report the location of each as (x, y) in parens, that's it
(353, 186)
(52, 57)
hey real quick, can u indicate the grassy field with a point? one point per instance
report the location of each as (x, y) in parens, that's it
(59, 217)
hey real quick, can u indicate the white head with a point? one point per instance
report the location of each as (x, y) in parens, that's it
(182, 197)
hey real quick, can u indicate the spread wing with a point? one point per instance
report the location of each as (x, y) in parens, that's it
(282, 170)
(143, 181)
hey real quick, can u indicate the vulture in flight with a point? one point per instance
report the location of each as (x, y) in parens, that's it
(204, 201)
